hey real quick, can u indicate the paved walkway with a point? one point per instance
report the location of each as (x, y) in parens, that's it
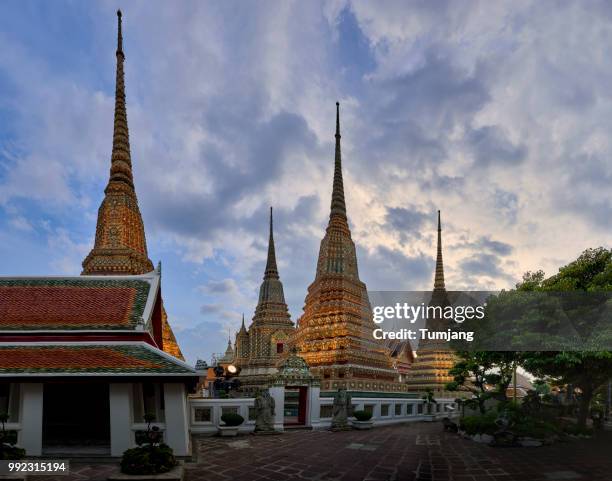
(416, 451)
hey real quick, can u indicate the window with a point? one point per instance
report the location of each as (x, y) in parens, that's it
(398, 409)
(369, 408)
(252, 413)
(229, 409)
(420, 409)
(326, 411)
(279, 347)
(202, 415)
(148, 398)
(384, 409)
(409, 409)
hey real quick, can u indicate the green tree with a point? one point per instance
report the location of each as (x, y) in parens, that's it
(484, 374)
(587, 370)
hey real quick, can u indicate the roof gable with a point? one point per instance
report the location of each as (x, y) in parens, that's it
(75, 303)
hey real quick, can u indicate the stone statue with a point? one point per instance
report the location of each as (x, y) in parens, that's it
(342, 410)
(264, 412)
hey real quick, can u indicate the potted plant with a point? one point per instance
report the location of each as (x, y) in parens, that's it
(363, 420)
(152, 457)
(8, 439)
(429, 401)
(231, 424)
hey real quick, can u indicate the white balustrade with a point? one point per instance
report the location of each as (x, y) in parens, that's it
(205, 413)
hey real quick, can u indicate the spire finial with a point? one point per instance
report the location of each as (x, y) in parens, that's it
(439, 277)
(119, 34)
(337, 120)
(338, 206)
(271, 268)
(121, 161)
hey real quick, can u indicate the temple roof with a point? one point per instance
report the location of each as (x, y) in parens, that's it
(76, 303)
(52, 359)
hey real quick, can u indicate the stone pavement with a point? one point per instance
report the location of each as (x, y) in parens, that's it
(415, 451)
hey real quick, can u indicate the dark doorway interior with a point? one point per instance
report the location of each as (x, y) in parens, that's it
(76, 414)
(295, 405)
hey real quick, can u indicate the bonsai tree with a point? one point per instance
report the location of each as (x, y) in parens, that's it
(8, 439)
(152, 456)
(232, 419)
(362, 415)
(429, 399)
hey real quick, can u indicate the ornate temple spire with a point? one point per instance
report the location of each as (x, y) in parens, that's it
(439, 277)
(242, 327)
(337, 251)
(338, 205)
(120, 245)
(121, 162)
(271, 306)
(271, 271)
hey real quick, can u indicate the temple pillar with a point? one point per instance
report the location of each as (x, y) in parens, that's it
(177, 418)
(120, 402)
(31, 414)
(313, 413)
(278, 394)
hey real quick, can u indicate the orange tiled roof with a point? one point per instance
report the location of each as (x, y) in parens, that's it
(71, 303)
(127, 358)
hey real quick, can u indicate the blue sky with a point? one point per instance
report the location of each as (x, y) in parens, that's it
(498, 113)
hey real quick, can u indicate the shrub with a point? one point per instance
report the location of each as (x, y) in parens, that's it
(576, 430)
(362, 415)
(232, 419)
(148, 460)
(534, 428)
(484, 424)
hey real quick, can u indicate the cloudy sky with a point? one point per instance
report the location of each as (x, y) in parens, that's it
(497, 113)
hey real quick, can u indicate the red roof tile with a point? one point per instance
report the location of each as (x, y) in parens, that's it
(84, 359)
(65, 358)
(75, 306)
(81, 304)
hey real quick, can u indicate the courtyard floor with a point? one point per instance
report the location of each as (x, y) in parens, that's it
(416, 451)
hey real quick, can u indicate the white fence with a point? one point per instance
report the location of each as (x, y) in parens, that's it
(205, 414)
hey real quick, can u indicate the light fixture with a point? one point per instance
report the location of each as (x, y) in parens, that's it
(232, 369)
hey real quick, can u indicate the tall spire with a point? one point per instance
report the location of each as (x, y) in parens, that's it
(338, 206)
(439, 277)
(271, 268)
(121, 161)
(120, 245)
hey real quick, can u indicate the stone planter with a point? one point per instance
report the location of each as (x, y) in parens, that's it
(428, 417)
(482, 438)
(228, 431)
(363, 424)
(530, 442)
(176, 474)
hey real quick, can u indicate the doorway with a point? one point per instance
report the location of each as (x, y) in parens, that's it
(76, 415)
(295, 405)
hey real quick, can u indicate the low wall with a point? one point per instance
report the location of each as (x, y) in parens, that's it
(205, 414)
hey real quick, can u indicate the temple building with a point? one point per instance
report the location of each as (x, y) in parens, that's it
(120, 246)
(83, 358)
(260, 349)
(334, 334)
(434, 358)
